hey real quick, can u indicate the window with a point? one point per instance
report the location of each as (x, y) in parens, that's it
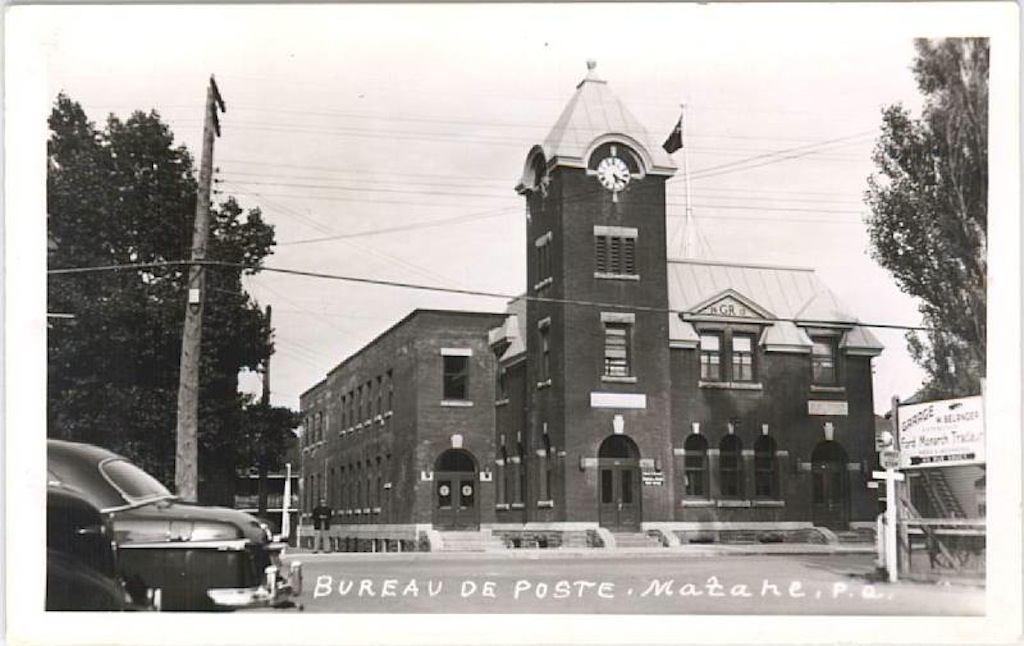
(730, 467)
(617, 349)
(742, 357)
(378, 408)
(728, 356)
(544, 366)
(543, 245)
(765, 468)
(823, 361)
(456, 377)
(695, 464)
(711, 357)
(547, 468)
(368, 390)
(391, 390)
(615, 251)
(500, 382)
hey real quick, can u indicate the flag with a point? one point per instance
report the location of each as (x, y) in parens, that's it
(675, 140)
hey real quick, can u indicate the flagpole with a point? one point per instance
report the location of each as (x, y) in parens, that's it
(688, 219)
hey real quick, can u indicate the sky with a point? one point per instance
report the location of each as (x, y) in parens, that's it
(414, 120)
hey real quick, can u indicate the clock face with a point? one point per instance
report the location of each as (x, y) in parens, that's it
(613, 173)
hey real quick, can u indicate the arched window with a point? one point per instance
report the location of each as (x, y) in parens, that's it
(730, 467)
(695, 464)
(766, 481)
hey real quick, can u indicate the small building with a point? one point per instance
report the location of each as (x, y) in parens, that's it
(625, 392)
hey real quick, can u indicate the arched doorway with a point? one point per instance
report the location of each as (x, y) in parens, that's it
(455, 495)
(830, 495)
(618, 485)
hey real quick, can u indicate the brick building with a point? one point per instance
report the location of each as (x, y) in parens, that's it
(625, 392)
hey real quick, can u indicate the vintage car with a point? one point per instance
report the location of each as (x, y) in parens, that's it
(81, 560)
(186, 556)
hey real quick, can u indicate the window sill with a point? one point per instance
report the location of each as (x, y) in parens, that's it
(501, 402)
(545, 504)
(456, 403)
(606, 276)
(769, 503)
(732, 503)
(730, 385)
(696, 502)
(376, 510)
(544, 384)
(839, 390)
(517, 505)
(501, 506)
(544, 283)
(613, 379)
(359, 426)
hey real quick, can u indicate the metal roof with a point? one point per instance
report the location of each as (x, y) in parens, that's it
(785, 292)
(594, 112)
(794, 294)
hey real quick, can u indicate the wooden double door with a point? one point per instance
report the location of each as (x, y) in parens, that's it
(456, 501)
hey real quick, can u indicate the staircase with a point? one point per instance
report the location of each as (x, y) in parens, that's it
(479, 541)
(633, 540)
(942, 554)
(940, 496)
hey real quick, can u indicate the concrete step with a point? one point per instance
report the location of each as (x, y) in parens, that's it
(635, 539)
(855, 536)
(466, 541)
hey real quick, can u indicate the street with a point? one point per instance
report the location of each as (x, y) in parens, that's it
(634, 583)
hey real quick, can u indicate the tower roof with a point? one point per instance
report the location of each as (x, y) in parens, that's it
(592, 113)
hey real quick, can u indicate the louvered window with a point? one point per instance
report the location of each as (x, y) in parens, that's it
(615, 254)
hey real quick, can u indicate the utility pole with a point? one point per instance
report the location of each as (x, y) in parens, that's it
(186, 456)
(261, 449)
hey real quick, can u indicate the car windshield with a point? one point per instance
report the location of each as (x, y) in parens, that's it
(133, 482)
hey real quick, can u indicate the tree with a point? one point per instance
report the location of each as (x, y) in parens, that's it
(929, 217)
(117, 197)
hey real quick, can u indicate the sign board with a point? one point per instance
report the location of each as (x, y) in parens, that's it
(889, 460)
(827, 407)
(654, 478)
(943, 433)
(729, 306)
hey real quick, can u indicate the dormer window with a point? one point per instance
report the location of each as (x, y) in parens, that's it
(823, 361)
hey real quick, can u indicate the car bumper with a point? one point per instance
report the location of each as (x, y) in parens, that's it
(275, 592)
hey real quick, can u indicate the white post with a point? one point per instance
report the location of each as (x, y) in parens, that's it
(880, 541)
(891, 477)
(286, 517)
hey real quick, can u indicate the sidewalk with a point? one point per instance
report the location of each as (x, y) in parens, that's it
(683, 551)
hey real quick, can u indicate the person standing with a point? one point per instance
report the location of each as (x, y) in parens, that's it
(322, 525)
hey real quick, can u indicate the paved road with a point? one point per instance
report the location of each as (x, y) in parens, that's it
(632, 583)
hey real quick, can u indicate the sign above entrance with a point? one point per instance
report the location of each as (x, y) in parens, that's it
(653, 478)
(618, 400)
(942, 433)
(827, 407)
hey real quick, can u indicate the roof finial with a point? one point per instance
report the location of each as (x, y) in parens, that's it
(591, 64)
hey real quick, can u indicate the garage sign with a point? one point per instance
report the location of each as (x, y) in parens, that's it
(943, 433)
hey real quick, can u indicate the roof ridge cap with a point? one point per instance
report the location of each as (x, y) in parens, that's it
(726, 263)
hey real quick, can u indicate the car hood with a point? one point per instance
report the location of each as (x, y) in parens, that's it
(175, 521)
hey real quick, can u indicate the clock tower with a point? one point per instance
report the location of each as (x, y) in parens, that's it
(598, 374)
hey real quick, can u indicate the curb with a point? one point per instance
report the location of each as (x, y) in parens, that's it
(682, 551)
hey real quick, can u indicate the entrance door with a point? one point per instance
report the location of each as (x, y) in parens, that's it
(455, 495)
(619, 484)
(830, 492)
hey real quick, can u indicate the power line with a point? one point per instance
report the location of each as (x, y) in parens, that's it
(432, 288)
